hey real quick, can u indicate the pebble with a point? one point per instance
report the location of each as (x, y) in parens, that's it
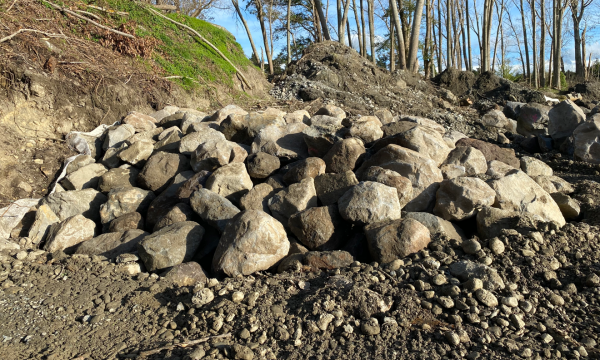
(526, 306)
(556, 300)
(486, 298)
(237, 296)
(446, 302)
(510, 301)
(473, 285)
(203, 297)
(21, 255)
(546, 338)
(496, 246)
(471, 246)
(370, 327)
(517, 321)
(452, 338)
(197, 354)
(439, 279)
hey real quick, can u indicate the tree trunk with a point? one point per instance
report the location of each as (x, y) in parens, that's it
(464, 38)
(322, 19)
(372, 29)
(239, 13)
(261, 20)
(289, 44)
(402, 54)
(363, 51)
(534, 45)
(550, 63)
(358, 33)
(438, 48)
(525, 42)
(271, 26)
(339, 20)
(577, 38)
(470, 67)
(542, 45)
(427, 55)
(449, 56)
(414, 37)
(500, 13)
(344, 22)
(392, 50)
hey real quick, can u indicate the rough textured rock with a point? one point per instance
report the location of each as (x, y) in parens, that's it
(295, 198)
(117, 136)
(257, 198)
(191, 120)
(118, 177)
(298, 116)
(491, 151)
(213, 208)
(330, 187)
(344, 155)
(171, 245)
(160, 169)
(419, 169)
(491, 221)
(384, 115)
(518, 192)
(370, 202)
(533, 119)
(128, 221)
(253, 241)
(111, 156)
(79, 162)
(421, 139)
(534, 167)
(169, 140)
(391, 178)
(63, 236)
(112, 244)
(396, 239)
(215, 153)
(223, 113)
(167, 199)
(327, 260)
(461, 198)
(285, 142)
(196, 182)
(563, 119)
(552, 184)
(192, 141)
(179, 213)
(44, 218)
(496, 118)
(466, 270)
(85, 177)
(186, 274)
(451, 137)
(140, 122)
(438, 226)
(587, 140)
(303, 169)
(125, 200)
(243, 129)
(569, 207)
(498, 169)
(472, 159)
(366, 128)
(319, 138)
(70, 203)
(331, 110)
(451, 171)
(262, 165)
(230, 181)
(319, 228)
(137, 152)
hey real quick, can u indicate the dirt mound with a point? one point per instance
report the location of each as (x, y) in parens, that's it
(334, 72)
(486, 86)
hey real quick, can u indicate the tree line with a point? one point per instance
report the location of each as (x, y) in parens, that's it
(425, 36)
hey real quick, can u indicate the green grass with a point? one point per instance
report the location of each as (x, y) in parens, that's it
(179, 53)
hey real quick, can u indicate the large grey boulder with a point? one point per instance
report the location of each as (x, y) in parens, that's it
(491, 221)
(70, 203)
(396, 239)
(533, 119)
(192, 141)
(230, 181)
(215, 153)
(257, 198)
(496, 118)
(125, 200)
(370, 202)
(84, 177)
(461, 198)
(44, 218)
(366, 128)
(160, 169)
(295, 198)
(138, 152)
(221, 114)
(563, 119)
(330, 187)
(470, 158)
(118, 177)
(422, 172)
(167, 199)
(112, 244)
(519, 192)
(285, 142)
(140, 122)
(66, 234)
(319, 228)
(252, 242)
(171, 245)
(587, 140)
(344, 155)
(552, 184)
(243, 129)
(438, 226)
(117, 135)
(321, 135)
(261, 165)
(534, 167)
(302, 169)
(391, 178)
(213, 208)
(180, 212)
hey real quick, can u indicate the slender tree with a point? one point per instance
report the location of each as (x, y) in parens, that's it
(358, 31)
(534, 46)
(371, 9)
(542, 80)
(344, 23)
(577, 10)
(363, 51)
(322, 19)
(289, 32)
(236, 5)
(414, 37)
(397, 23)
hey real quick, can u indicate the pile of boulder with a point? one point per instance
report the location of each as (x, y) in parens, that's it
(241, 192)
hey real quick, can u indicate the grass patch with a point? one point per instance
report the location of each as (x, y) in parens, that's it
(178, 52)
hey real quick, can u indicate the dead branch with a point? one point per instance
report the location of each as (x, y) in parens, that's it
(122, 13)
(183, 344)
(90, 14)
(202, 38)
(30, 30)
(179, 77)
(67, 11)
(11, 5)
(166, 7)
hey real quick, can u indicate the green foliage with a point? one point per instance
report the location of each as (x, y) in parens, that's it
(563, 81)
(179, 53)
(506, 71)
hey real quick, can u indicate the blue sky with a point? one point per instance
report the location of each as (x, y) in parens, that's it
(228, 19)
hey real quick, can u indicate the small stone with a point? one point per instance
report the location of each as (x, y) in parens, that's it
(496, 246)
(370, 327)
(473, 285)
(237, 296)
(452, 338)
(197, 354)
(546, 338)
(203, 297)
(471, 246)
(510, 301)
(556, 300)
(486, 298)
